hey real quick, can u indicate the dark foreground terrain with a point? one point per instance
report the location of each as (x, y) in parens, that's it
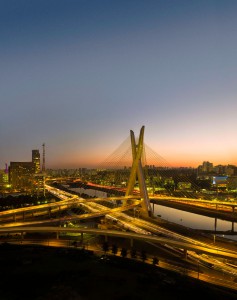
(34, 272)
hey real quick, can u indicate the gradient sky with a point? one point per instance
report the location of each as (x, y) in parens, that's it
(77, 75)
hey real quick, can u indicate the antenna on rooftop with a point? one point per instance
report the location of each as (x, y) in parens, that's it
(6, 168)
(43, 164)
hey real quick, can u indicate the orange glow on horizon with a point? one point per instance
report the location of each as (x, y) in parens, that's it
(170, 157)
(95, 163)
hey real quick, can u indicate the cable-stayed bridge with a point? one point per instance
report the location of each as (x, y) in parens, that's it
(136, 152)
(141, 228)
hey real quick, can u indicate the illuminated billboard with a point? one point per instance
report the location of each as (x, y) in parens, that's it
(219, 180)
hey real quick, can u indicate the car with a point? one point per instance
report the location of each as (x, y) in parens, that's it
(104, 257)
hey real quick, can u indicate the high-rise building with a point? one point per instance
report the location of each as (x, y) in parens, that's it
(26, 175)
(20, 175)
(36, 160)
(207, 167)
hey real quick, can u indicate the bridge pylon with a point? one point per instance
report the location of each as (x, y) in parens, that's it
(137, 173)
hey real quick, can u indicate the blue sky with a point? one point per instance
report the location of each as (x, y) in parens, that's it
(78, 75)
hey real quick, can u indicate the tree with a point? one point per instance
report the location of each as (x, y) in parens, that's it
(133, 253)
(114, 249)
(105, 247)
(74, 243)
(155, 261)
(124, 252)
(143, 255)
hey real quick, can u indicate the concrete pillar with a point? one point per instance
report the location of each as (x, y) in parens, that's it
(137, 171)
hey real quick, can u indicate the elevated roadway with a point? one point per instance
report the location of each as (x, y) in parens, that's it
(150, 232)
(128, 235)
(214, 203)
(67, 200)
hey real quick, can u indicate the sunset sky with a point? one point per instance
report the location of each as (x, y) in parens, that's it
(77, 75)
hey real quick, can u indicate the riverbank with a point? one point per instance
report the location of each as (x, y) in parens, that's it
(209, 212)
(197, 234)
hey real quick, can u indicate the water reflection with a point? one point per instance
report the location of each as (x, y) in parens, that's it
(194, 221)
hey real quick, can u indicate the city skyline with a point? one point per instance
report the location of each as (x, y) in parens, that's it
(79, 75)
(158, 162)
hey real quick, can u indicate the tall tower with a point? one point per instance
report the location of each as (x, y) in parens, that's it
(6, 169)
(43, 167)
(43, 164)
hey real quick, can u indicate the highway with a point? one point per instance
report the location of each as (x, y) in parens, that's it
(199, 272)
(138, 229)
(211, 203)
(207, 249)
(67, 201)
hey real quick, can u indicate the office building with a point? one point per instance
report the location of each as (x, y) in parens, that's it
(36, 160)
(25, 176)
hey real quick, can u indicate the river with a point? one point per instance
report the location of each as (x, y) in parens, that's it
(177, 216)
(194, 221)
